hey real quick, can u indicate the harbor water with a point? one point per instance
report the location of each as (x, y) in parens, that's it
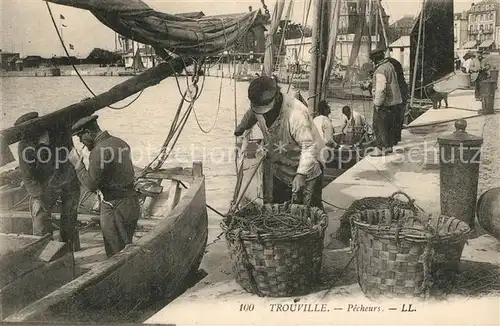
(145, 123)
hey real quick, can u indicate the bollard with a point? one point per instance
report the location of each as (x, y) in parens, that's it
(459, 156)
(488, 96)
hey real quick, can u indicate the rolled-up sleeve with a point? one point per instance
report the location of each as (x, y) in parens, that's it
(379, 89)
(301, 132)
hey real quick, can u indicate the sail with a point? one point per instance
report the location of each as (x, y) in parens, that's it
(137, 64)
(269, 53)
(183, 36)
(360, 42)
(436, 44)
(332, 42)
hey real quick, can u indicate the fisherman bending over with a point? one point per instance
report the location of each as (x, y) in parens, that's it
(111, 175)
(292, 143)
(48, 176)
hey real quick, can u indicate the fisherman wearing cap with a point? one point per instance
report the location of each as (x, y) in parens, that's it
(387, 100)
(111, 174)
(292, 143)
(482, 73)
(400, 111)
(48, 176)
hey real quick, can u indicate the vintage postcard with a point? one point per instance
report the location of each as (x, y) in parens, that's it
(250, 162)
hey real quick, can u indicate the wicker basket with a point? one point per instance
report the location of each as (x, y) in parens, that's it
(406, 253)
(277, 265)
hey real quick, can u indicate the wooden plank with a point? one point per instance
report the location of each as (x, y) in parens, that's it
(10, 263)
(18, 222)
(174, 196)
(70, 114)
(176, 174)
(33, 285)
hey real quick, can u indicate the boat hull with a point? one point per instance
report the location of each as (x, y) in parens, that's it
(154, 267)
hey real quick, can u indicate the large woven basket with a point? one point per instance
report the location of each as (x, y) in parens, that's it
(273, 264)
(406, 253)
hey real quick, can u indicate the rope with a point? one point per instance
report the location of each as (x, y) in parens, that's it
(216, 116)
(76, 70)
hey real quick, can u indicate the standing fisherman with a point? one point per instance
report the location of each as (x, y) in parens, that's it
(111, 175)
(48, 176)
(292, 142)
(387, 100)
(400, 110)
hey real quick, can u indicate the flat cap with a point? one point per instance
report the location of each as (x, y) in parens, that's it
(26, 117)
(261, 93)
(377, 52)
(80, 124)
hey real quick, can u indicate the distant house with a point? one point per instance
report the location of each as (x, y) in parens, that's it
(145, 57)
(400, 50)
(8, 60)
(401, 27)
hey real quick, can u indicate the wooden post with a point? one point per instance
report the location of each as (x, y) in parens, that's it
(197, 169)
(70, 114)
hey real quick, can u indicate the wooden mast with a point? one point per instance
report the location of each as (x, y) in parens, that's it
(319, 49)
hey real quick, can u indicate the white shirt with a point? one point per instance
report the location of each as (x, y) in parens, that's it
(325, 128)
(356, 120)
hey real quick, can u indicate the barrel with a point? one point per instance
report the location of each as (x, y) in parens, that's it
(488, 212)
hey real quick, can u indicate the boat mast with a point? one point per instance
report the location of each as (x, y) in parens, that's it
(415, 64)
(320, 26)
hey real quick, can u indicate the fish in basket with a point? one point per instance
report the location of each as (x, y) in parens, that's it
(276, 249)
(406, 253)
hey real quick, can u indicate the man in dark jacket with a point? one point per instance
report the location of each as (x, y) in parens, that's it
(48, 176)
(399, 112)
(111, 175)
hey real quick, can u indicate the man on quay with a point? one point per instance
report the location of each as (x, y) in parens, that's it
(482, 74)
(400, 110)
(111, 175)
(48, 176)
(387, 100)
(324, 124)
(292, 143)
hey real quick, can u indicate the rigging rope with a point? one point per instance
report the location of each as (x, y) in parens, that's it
(76, 70)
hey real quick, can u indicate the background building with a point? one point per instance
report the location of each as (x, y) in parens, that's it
(484, 17)
(460, 31)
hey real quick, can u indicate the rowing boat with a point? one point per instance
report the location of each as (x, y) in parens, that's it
(43, 280)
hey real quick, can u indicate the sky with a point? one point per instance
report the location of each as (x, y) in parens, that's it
(26, 25)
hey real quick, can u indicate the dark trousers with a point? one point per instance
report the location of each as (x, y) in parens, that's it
(383, 126)
(118, 223)
(399, 116)
(70, 197)
(477, 87)
(311, 195)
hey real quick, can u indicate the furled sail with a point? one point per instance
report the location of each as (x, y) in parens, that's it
(183, 36)
(435, 57)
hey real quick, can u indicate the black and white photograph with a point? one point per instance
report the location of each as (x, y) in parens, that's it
(250, 162)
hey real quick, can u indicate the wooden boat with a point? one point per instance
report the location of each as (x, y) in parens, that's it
(43, 280)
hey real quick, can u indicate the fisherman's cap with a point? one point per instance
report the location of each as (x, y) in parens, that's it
(261, 93)
(26, 117)
(79, 126)
(377, 52)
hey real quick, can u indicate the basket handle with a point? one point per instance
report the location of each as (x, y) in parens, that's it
(417, 210)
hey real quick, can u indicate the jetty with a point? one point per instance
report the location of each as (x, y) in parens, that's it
(218, 299)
